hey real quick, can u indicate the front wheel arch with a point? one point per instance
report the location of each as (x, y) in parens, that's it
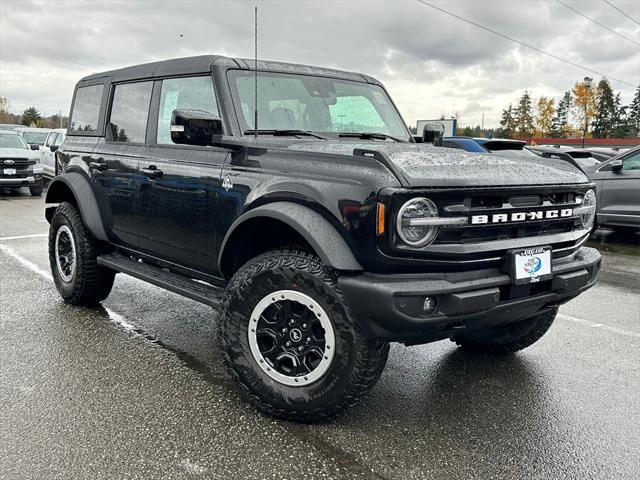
(305, 226)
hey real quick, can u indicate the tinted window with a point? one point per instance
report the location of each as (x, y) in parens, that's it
(191, 93)
(86, 109)
(632, 162)
(59, 139)
(129, 112)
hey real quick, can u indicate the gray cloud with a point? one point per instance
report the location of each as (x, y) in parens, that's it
(430, 62)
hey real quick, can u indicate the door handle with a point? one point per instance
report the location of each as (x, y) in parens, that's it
(152, 171)
(100, 166)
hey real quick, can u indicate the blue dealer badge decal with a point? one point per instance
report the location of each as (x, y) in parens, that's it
(533, 265)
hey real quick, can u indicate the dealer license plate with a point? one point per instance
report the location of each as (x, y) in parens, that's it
(531, 265)
(9, 171)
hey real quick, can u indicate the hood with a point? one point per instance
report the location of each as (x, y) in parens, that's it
(18, 153)
(418, 165)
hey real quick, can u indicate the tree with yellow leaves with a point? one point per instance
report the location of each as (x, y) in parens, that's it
(545, 110)
(584, 102)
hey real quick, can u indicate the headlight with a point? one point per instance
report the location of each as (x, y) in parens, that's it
(587, 210)
(411, 225)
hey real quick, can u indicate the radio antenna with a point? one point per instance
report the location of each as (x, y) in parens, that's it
(255, 72)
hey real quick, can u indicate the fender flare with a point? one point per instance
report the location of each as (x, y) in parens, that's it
(323, 237)
(80, 188)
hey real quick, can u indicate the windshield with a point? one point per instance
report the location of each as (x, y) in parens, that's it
(11, 141)
(35, 137)
(326, 106)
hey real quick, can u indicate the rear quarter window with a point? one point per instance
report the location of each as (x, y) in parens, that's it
(86, 109)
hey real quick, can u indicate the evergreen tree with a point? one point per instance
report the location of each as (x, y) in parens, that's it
(524, 115)
(507, 122)
(621, 126)
(633, 111)
(31, 115)
(560, 122)
(604, 120)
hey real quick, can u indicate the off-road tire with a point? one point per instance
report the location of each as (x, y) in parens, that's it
(357, 362)
(510, 338)
(36, 190)
(91, 282)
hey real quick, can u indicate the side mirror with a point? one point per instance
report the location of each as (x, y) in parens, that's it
(194, 127)
(33, 146)
(54, 148)
(616, 165)
(433, 133)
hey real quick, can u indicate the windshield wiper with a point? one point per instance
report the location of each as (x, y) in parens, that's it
(370, 135)
(284, 132)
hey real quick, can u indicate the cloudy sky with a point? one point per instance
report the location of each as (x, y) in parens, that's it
(431, 63)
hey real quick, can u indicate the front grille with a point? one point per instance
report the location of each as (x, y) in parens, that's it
(22, 167)
(489, 242)
(508, 203)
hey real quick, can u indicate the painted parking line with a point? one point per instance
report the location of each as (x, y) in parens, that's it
(20, 237)
(120, 320)
(587, 323)
(115, 317)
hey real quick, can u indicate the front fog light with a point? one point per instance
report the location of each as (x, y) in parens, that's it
(588, 209)
(429, 305)
(412, 224)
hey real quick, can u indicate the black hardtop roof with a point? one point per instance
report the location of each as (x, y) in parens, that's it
(204, 63)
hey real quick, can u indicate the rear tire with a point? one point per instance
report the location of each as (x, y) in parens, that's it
(72, 258)
(276, 374)
(507, 339)
(36, 190)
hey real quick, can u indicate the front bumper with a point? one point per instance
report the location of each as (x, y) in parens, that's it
(389, 307)
(20, 181)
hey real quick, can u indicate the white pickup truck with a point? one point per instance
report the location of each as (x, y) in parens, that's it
(47, 151)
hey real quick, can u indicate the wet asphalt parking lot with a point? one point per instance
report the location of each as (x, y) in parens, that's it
(137, 389)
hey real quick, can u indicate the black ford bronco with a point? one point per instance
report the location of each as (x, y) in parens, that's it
(311, 220)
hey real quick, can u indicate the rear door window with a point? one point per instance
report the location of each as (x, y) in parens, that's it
(130, 112)
(189, 93)
(86, 109)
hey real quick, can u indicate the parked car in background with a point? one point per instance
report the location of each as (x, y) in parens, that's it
(33, 136)
(19, 164)
(483, 145)
(509, 148)
(463, 143)
(597, 154)
(47, 153)
(583, 159)
(618, 190)
(500, 144)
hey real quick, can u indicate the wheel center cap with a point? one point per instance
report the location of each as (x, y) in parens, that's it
(295, 334)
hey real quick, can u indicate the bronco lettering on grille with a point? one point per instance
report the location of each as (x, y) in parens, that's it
(521, 216)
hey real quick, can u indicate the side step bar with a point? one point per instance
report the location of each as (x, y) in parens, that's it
(200, 292)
